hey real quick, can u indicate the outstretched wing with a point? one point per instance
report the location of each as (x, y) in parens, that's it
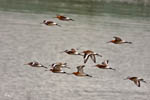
(86, 58)
(107, 61)
(137, 83)
(57, 68)
(63, 17)
(93, 58)
(117, 38)
(80, 68)
(48, 22)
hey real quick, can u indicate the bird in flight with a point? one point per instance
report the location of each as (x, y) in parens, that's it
(118, 40)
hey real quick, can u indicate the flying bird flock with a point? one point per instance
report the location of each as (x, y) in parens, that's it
(86, 54)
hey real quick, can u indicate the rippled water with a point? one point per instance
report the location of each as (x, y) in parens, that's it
(24, 39)
(88, 7)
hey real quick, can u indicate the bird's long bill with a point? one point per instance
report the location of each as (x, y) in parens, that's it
(81, 54)
(99, 55)
(64, 73)
(129, 42)
(25, 64)
(113, 69)
(45, 67)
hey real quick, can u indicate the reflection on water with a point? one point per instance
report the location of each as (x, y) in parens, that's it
(88, 7)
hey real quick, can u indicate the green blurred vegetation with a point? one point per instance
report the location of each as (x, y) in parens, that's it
(89, 7)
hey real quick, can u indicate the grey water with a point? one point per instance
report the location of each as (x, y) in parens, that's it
(24, 39)
(90, 7)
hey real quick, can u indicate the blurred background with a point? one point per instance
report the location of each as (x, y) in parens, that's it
(90, 7)
(23, 39)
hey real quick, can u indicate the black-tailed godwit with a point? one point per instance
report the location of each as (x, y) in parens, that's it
(50, 23)
(35, 64)
(57, 67)
(80, 71)
(136, 80)
(63, 18)
(118, 40)
(91, 54)
(104, 65)
(72, 52)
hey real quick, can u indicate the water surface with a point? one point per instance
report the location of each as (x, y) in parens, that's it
(24, 39)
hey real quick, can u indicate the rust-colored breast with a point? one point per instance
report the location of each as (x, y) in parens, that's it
(133, 78)
(87, 51)
(76, 73)
(101, 66)
(49, 23)
(61, 17)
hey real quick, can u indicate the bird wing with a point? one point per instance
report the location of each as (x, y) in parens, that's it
(63, 17)
(57, 68)
(137, 82)
(117, 38)
(85, 55)
(86, 58)
(107, 61)
(103, 63)
(80, 68)
(93, 58)
(36, 64)
(49, 22)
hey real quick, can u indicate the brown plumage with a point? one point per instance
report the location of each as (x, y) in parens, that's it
(136, 80)
(50, 23)
(72, 52)
(91, 54)
(104, 65)
(57, 67)
(63, 18)
(35, 64)
(118, 40)
(80, 71)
